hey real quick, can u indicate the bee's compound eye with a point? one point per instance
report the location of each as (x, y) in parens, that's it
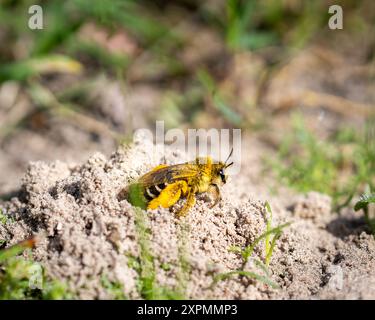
(222, 175)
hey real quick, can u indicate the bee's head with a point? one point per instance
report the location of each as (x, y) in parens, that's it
(220, 176)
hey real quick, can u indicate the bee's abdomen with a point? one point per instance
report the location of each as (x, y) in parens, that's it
(154, 191)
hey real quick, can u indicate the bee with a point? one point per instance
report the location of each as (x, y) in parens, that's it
(164, 185)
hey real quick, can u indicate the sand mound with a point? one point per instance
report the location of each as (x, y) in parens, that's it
(91, 234)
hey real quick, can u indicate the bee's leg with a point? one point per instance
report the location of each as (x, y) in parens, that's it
(190, 201)
(169, 196)
(215, 191)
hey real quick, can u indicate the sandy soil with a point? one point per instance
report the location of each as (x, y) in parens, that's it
(90, 231)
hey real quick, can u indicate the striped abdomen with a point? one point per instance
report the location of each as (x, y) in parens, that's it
(153, 192)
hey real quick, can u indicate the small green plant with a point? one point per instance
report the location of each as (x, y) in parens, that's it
(249, 274)
(16, 276)
(248, 251)
(184, 267)
(364, 203)
(276, 232)
(4, 219)
(16, 249)
(148, 287)
(339, 166)
(114, 288)
(315, 167)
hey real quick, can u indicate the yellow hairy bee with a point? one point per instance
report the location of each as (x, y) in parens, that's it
(166, 184)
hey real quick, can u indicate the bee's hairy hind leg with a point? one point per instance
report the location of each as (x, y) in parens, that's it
(190, 201)
(169, 196)
(215, 191)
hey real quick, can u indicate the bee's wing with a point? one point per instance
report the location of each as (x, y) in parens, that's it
(169, 174)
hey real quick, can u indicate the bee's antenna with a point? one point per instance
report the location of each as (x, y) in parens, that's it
(228, 165)
(230, 154)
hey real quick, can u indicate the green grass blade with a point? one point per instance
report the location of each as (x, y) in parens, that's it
(249, 249)
(253, 275)
(364, 201)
